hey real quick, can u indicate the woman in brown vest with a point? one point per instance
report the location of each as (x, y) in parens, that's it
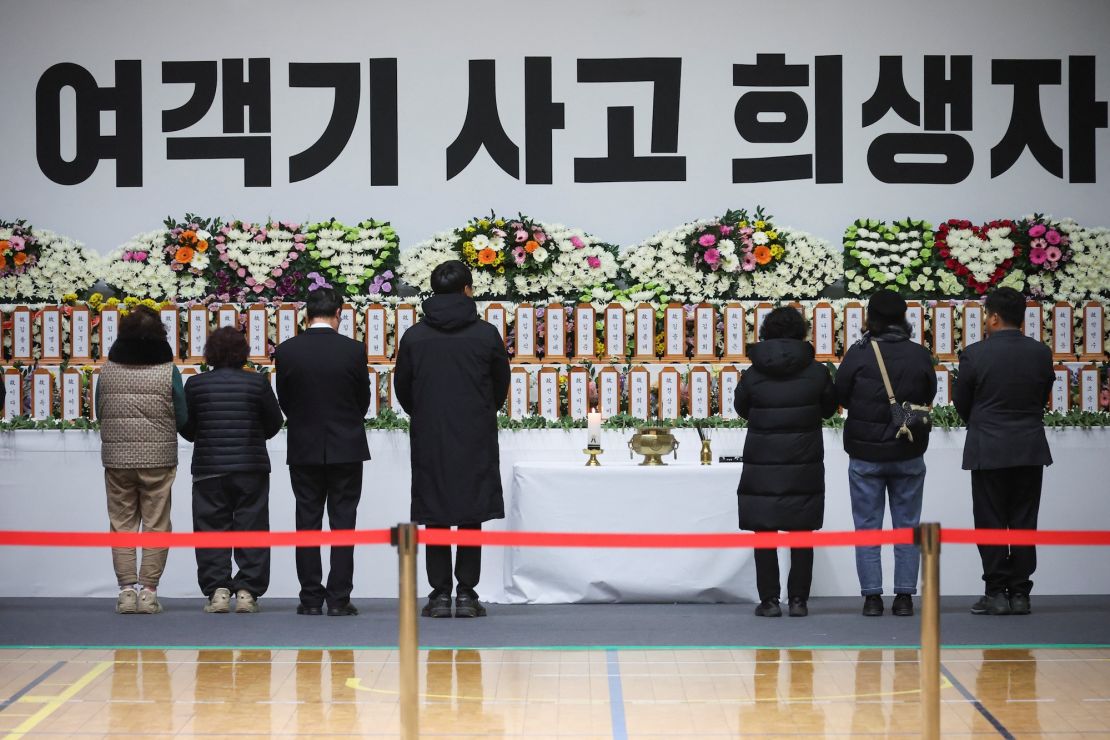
(140, 402)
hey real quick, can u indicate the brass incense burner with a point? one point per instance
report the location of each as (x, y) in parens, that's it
(653, 443)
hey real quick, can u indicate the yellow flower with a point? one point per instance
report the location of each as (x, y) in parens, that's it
(470, 229)
(128, 301)
(772, 235)
(742, 225)
(96, 299)
(87, 368)
(69, 297)
(759, 224)
(777, 251)
(468, 245)
(483, 223)
(113, 301)
(499, 222)
(500, 270)
(149, 303)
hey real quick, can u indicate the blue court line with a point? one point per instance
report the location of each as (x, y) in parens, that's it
(42, 677)
(616, 696)
(1001, 728)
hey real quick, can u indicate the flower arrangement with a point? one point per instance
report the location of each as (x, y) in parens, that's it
(54, 266)
(897, 256)
(1046, 246)
(1083, 270)
(260, 261)
(979, 255)
(808, 266)
(735, 243)
(169, 263)
(19, 248)
(356, 259)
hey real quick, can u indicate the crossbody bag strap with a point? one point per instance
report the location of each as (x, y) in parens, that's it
(882, 371)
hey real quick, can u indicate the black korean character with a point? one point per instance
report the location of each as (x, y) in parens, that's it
(125, 146)
(241, 95)
(1026, 129)
(771, 70)
(482, 126)
(947, 101)
(622, 164)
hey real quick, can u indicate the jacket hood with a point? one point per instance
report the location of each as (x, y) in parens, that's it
(135, 351)
(781, 357)
(450, 311)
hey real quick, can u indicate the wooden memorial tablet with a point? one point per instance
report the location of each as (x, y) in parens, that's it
(705, 333)
(1060, 400)
(761, 311)
(824, 332)
(639, 393)
(944, 338)
(609, 392)
(943, 396)
(555, 333)
(50, 327)
(972, 323)
(525, 330)
(674, 333)
(585, 332)
(374, 381)
(287, 323)
(258, 325)
(519, 386)
(915, 317)
(1034, 321)
(700, 392)
(853, 323)
(495, 314)
(670, 393)
(23, 349)
(94, 383)
(347, 321)
(198, 334)
(736, 341)
(228, 315)
(578, 391)
(644, 345)
(376, 334)
(73, 386)
(727, 383)
(42, 394)
(548, 378)
(1094, 331)
(1088, 388)
(616, 345)
(404, 319)
(13, 393)
(171, 319)
(1063, 332)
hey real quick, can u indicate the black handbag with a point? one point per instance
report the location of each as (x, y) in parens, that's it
(908, 417)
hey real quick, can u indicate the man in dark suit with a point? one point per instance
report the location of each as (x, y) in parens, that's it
(452, 376)
(324, 389)
(1003, 386)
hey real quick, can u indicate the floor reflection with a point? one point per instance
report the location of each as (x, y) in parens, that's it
(332, 704)
(455, 695)
(232, 686)
(880, 705)
(793, 706)
(1007, 686)
(140, 680)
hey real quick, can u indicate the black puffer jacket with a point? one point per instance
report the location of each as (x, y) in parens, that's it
(231, 415)
(784, 396)
(869, 433)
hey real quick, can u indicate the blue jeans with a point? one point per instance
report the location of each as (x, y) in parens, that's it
(870, 483)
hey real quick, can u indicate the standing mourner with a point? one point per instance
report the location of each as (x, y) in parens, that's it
(324, 389)
(1003, 386)
(140, 403)
(784, 396)
(232, 412)
(452, 376)
(884, 463)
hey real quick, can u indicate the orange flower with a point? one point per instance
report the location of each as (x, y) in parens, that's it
(202, 246)
(762, 255)
(184, 255)
(20, 258)
(3, 261)
(5, 245)
(531, 246)
(487, 257)
(188, 237)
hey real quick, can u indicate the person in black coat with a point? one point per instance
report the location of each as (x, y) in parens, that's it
(232, 412)
(324, 389)
(881, 465)
(784, 396)
(1001, 391)
(452, 377)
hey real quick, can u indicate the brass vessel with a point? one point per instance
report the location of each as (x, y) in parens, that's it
(653, 443)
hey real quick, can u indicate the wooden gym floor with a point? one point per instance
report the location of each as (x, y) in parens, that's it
(556, 693)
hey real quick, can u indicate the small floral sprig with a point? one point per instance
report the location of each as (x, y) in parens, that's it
(19, 248)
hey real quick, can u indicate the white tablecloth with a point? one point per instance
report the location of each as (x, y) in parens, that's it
(54, 481)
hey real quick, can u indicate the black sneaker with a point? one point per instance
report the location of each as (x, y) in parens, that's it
(768, 608)
(798, 607)
(995, 606)
(438, 606)
(1019, 604)
(467, 606)
(902, 606)
(873, 605)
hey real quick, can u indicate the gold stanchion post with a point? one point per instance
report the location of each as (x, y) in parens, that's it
(927, 538)
(404, 539)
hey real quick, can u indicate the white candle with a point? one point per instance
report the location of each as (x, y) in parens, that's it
(593, 423)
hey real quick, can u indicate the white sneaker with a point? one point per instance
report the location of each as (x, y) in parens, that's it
(148, 602)
(219, 603)
(127, 602)
(245, 603)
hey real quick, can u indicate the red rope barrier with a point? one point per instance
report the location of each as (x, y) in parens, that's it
(197, 539)
(624, 539)
(1024, 537)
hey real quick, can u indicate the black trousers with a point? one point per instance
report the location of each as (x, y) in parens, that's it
(239, 502)
(338, 488)
(468, 566)
(1007, 498)
(767, 573)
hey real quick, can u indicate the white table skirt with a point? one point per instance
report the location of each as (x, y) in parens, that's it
(54, 481)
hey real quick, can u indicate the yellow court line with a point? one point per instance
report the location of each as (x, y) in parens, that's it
(56, 702)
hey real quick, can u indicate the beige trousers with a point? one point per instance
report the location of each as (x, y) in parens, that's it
(139, 496)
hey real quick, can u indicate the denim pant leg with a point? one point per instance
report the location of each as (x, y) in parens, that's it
(906, 484)
(867, 486)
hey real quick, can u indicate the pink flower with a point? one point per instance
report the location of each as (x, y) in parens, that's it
(298, 238)
(1036, 230)
(519, 255)
(1053, 254)
(139, 256)
(241, 272)
(712, 257)
(1038, 244)
(276, 272)
(1037, 256)
(224, 257)
(707, 240)
(1104, 398)
(1052, 237)
(748, 265)
(258, 288)
(260, 236)
(271, 284)
(725, 230)
(17, 243)
(746, 231)
(292, 256)
(593, 262)
(250, 281)
(578, 243)
(540, 236)
(285, 265)
(521, 236)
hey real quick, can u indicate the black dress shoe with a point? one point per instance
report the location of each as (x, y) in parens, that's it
(438, 607)
(902, 606)
(466, 605)
(995, 606)
(873, 606)
(768, 608)
(798, 607)
(311, 611)
(346, 610)
(1019, 604)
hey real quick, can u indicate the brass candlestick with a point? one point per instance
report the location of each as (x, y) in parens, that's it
(706, 453)
(593, 452)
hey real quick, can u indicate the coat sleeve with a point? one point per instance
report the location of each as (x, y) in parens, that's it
(362, 381)
(271, 412)
(846, 376)
(402, 377)
(1049, 377)
(929, 381)
(499, 372)
(180, 409)
(742, 400)
(282, 383)
(828, 395)
(964, 393)
(189, 430)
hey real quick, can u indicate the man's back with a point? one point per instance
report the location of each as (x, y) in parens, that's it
(324, 389)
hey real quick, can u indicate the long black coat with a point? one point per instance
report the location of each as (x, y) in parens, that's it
(1003, 386)
(324, 389)
(784, 396)
(232, 413)
(452, 376)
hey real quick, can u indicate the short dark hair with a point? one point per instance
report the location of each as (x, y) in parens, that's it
(451, 276)
(141, 322)
(1008, 304)
(226, 347)
(784, 322)
(322, 303)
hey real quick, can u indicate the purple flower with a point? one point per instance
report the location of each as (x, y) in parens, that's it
(318, 281)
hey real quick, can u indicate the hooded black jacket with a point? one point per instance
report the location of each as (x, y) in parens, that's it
(784, 396)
